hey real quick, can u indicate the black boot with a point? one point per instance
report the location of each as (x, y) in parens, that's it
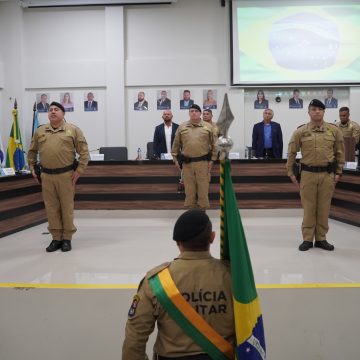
(66, 245)
(323, 244)
(306, 245)
(54, 245)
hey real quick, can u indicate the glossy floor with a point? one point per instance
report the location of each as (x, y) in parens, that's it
(117, 247)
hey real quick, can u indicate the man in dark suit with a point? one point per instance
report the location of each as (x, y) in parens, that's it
(330, 101)
(164, 135)
(164, 103)
(43, 105)
(267, 141)
(295, 102)
(186, 102)
(90, 104)
(141, 104)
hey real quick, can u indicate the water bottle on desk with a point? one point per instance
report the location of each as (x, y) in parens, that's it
(139, 154)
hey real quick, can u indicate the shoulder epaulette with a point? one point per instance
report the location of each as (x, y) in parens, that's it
(301, 126)
(333, 124)
(156, 270)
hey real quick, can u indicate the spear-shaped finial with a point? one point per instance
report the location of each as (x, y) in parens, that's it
(15, 104)
(226, 117)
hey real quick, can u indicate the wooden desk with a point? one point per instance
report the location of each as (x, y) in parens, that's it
(259, 184)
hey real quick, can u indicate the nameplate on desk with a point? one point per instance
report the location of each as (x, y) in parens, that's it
(7, 171)
(97, 157)
(351, 165)
(234, 155)
(166, 156)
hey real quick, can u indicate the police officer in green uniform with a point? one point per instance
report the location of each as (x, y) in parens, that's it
(57, 144)
(195, 144)
(203, 281)
(322, 150)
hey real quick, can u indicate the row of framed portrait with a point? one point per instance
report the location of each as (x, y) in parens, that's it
(66, 100)
(295, 102)
(164, 100)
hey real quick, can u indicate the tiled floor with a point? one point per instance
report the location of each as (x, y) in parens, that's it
(119, 246)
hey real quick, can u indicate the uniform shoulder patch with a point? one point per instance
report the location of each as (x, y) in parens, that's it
(157, 269)
(134, 306)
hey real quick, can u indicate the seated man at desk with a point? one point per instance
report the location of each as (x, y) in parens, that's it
(267, 141)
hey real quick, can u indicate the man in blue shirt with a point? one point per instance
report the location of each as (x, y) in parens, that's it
(267, 139)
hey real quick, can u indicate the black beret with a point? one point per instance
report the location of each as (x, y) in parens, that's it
(191, 224)
(194, 106)
(54, 103)
(317, 103)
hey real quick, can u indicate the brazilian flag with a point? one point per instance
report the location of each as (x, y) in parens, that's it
(15, 154)
(250, 339)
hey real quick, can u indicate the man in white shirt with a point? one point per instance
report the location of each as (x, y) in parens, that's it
(164, 135)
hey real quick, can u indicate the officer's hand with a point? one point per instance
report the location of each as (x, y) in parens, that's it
(337, 178)
(210, 165)
(177, 165)
(35, 176)
(294, 181)
(75, 176)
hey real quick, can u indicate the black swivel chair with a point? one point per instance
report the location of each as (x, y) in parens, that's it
(118, 153)
(150, 150)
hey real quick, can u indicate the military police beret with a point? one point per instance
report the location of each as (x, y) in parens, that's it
(54, 103)
(317, 103)
(191, 224)
(194, 106)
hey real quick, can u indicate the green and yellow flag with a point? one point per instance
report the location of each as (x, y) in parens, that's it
(250, 339)
(15, 154)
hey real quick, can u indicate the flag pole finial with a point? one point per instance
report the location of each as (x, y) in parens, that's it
(226, 117)
(15, 104)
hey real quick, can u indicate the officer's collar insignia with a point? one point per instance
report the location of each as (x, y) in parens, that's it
(133, 306)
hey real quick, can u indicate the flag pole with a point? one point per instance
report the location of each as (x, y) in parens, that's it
(33, 122)
(224, 144)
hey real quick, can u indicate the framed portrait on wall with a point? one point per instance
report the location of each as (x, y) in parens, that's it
(90, 104)
(261, 102)
(186, 101)
(210, 99)
(140, 103)
(163, 100)
(66, 101)
(42, 102)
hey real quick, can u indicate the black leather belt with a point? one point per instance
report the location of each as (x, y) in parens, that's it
(58, 170)
(314, 169)
(196, 159)
(190, 357)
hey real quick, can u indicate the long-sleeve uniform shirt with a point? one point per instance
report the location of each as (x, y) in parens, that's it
(205, 283)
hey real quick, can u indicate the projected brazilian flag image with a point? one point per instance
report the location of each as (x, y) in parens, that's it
(15, 154)
(250, 339)
(302, 43)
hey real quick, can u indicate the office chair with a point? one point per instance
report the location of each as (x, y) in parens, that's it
(116, 153)
(150, 150)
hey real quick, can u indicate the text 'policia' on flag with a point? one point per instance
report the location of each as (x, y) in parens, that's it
(250, 339)
(15, 154)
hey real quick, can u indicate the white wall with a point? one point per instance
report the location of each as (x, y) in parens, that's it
(117, 51)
